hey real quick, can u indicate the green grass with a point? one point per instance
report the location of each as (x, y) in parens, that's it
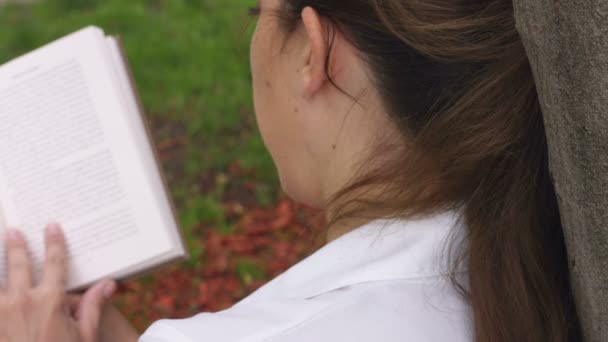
(190, 61)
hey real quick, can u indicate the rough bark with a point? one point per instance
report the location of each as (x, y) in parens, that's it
(567, 43)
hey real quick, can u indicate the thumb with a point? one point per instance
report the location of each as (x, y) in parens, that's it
(91, 307)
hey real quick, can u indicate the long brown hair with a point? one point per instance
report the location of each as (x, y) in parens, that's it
(456, 80)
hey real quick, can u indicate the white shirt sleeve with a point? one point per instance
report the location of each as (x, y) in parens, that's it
(255, 321)
(162, 332)
(392, 311)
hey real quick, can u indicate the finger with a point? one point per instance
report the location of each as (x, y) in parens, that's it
(19, 262)
(54, 273)
(73, 305)
(91, 307)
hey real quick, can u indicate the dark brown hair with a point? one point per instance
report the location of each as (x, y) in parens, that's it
(456, 80)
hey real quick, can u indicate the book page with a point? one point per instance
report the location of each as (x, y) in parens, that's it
(67, 155)
(146, 153)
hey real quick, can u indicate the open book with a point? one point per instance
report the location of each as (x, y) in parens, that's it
(75, 149)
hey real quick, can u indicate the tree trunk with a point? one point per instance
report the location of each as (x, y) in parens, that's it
(567, 44)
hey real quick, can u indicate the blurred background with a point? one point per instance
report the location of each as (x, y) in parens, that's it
(190, 59)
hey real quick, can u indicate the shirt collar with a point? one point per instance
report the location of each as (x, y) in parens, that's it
(383, 249)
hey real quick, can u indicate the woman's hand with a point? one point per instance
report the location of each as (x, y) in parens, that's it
(113, 326)
(42, 312)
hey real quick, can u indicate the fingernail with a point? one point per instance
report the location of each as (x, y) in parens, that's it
(13, 235)
(53, 229)
(108, 289)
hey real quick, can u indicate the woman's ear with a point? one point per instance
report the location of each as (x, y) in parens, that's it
(316, 52)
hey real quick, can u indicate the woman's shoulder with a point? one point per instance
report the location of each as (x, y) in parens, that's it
(423, 309)
(382, 282)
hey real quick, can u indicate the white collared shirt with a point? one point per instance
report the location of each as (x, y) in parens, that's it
(384, 281)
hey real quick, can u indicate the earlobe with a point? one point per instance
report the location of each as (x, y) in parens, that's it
(314, 71)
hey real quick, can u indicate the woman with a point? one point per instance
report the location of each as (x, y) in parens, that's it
(416, 125)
